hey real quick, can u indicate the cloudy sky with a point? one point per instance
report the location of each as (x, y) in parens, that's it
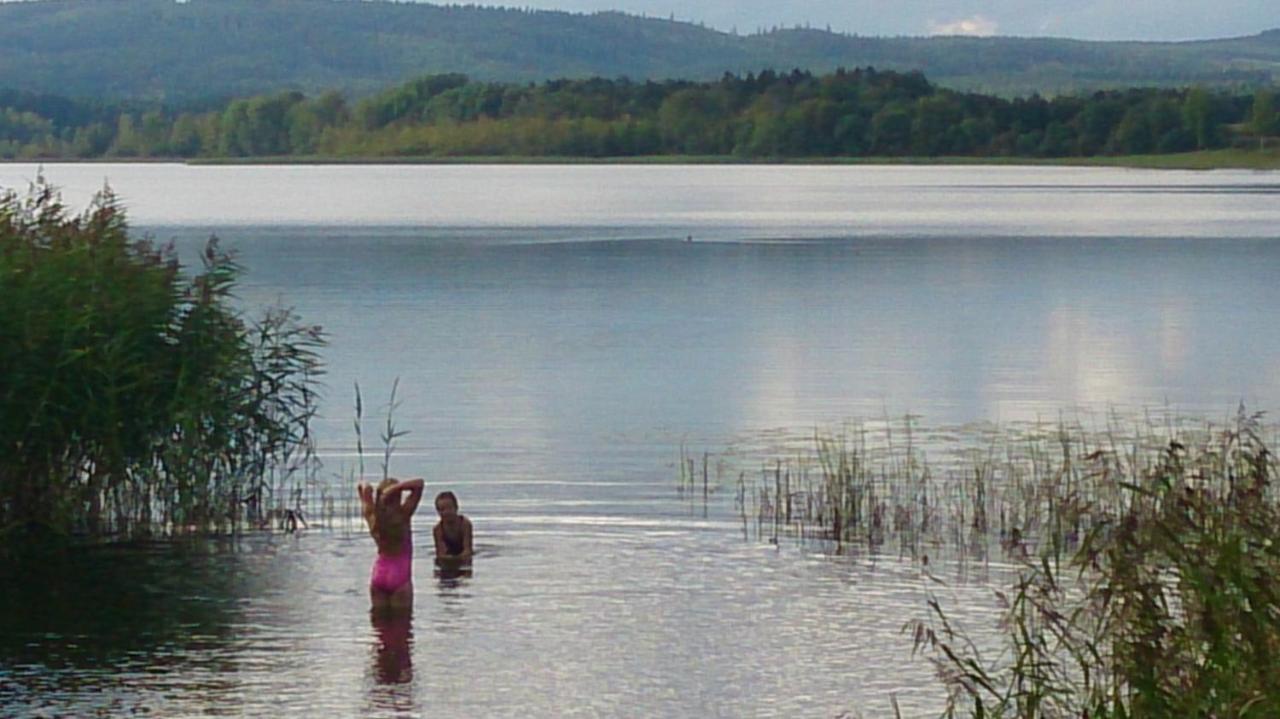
(1087, 19)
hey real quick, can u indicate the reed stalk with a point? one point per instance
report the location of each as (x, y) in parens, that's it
(1147, 550)
(1168, 605)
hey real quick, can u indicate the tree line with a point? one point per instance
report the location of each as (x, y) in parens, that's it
(847, 113)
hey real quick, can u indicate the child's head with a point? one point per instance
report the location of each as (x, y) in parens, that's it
(384, 498)
(387, 519)
(446, 505)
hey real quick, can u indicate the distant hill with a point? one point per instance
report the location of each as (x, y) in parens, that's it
(186, 51)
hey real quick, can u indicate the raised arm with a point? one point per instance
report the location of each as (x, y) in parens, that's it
(414, 487)
(366, 499)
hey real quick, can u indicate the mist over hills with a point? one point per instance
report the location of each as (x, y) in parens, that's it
(187, 51)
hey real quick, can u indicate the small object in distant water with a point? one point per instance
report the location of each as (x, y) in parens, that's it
(688, 238)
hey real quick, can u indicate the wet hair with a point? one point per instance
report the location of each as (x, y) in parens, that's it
(449, 496)
(393, 529)
(383, 486)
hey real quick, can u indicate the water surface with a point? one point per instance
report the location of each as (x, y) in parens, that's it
(559, 333)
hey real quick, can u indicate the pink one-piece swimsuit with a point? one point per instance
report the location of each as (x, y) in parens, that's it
(390, 572)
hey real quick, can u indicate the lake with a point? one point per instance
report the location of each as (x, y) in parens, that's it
(559, 335)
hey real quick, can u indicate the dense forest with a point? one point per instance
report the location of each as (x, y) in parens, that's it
(862, 112)
(181, 51)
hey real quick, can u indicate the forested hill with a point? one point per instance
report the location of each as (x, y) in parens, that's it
(181, 51)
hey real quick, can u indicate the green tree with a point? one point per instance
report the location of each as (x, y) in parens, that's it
(259, 125)
(693, 121)
(1133, 135)
(153, 134)
(1197, 113)
(22, 126)
(1097, 121)
(1263, 119)
(976, 135)
(234, 130)
(406, 101)
(184, 136)
(891, 130)
(850, 134)
(331, 109)
(91, 140)
(303, 128)
(127, 143)
(1059, 140)
(935, 116)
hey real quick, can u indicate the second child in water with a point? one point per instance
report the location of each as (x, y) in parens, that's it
(452, 532)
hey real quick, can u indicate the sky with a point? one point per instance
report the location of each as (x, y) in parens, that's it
(1083, 19)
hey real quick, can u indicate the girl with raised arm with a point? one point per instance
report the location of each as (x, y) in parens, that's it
(389, 515)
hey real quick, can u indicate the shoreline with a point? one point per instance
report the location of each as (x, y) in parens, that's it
(1230, 159)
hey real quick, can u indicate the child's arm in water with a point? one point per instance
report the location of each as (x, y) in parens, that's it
(442, 548)
(442, 551)
(465, 555)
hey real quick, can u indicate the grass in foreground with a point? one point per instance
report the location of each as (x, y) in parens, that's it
(1168, 606)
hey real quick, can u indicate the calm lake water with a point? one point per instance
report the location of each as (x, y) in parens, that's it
(557, 340)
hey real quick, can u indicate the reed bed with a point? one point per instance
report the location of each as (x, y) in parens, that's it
(134, 399)
(1168, 605)
(895, 485)
(1148, 560)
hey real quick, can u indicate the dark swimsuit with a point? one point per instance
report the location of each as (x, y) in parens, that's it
(453, 545)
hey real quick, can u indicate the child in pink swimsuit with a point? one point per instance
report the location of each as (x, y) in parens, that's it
(389, 516)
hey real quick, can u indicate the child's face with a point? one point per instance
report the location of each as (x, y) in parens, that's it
(446, 509)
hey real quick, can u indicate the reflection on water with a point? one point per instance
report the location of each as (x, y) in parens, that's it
(391, 692)
(453, 591)
(451, 574)
(393, 650)
(680, 619)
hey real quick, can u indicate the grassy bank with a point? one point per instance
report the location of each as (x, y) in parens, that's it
(1268, 159)
(1203, 160)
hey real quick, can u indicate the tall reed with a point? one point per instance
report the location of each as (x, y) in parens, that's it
(349, 479)
(967, 490)
(1148, 555)
(135, 399)
(1169, 605)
